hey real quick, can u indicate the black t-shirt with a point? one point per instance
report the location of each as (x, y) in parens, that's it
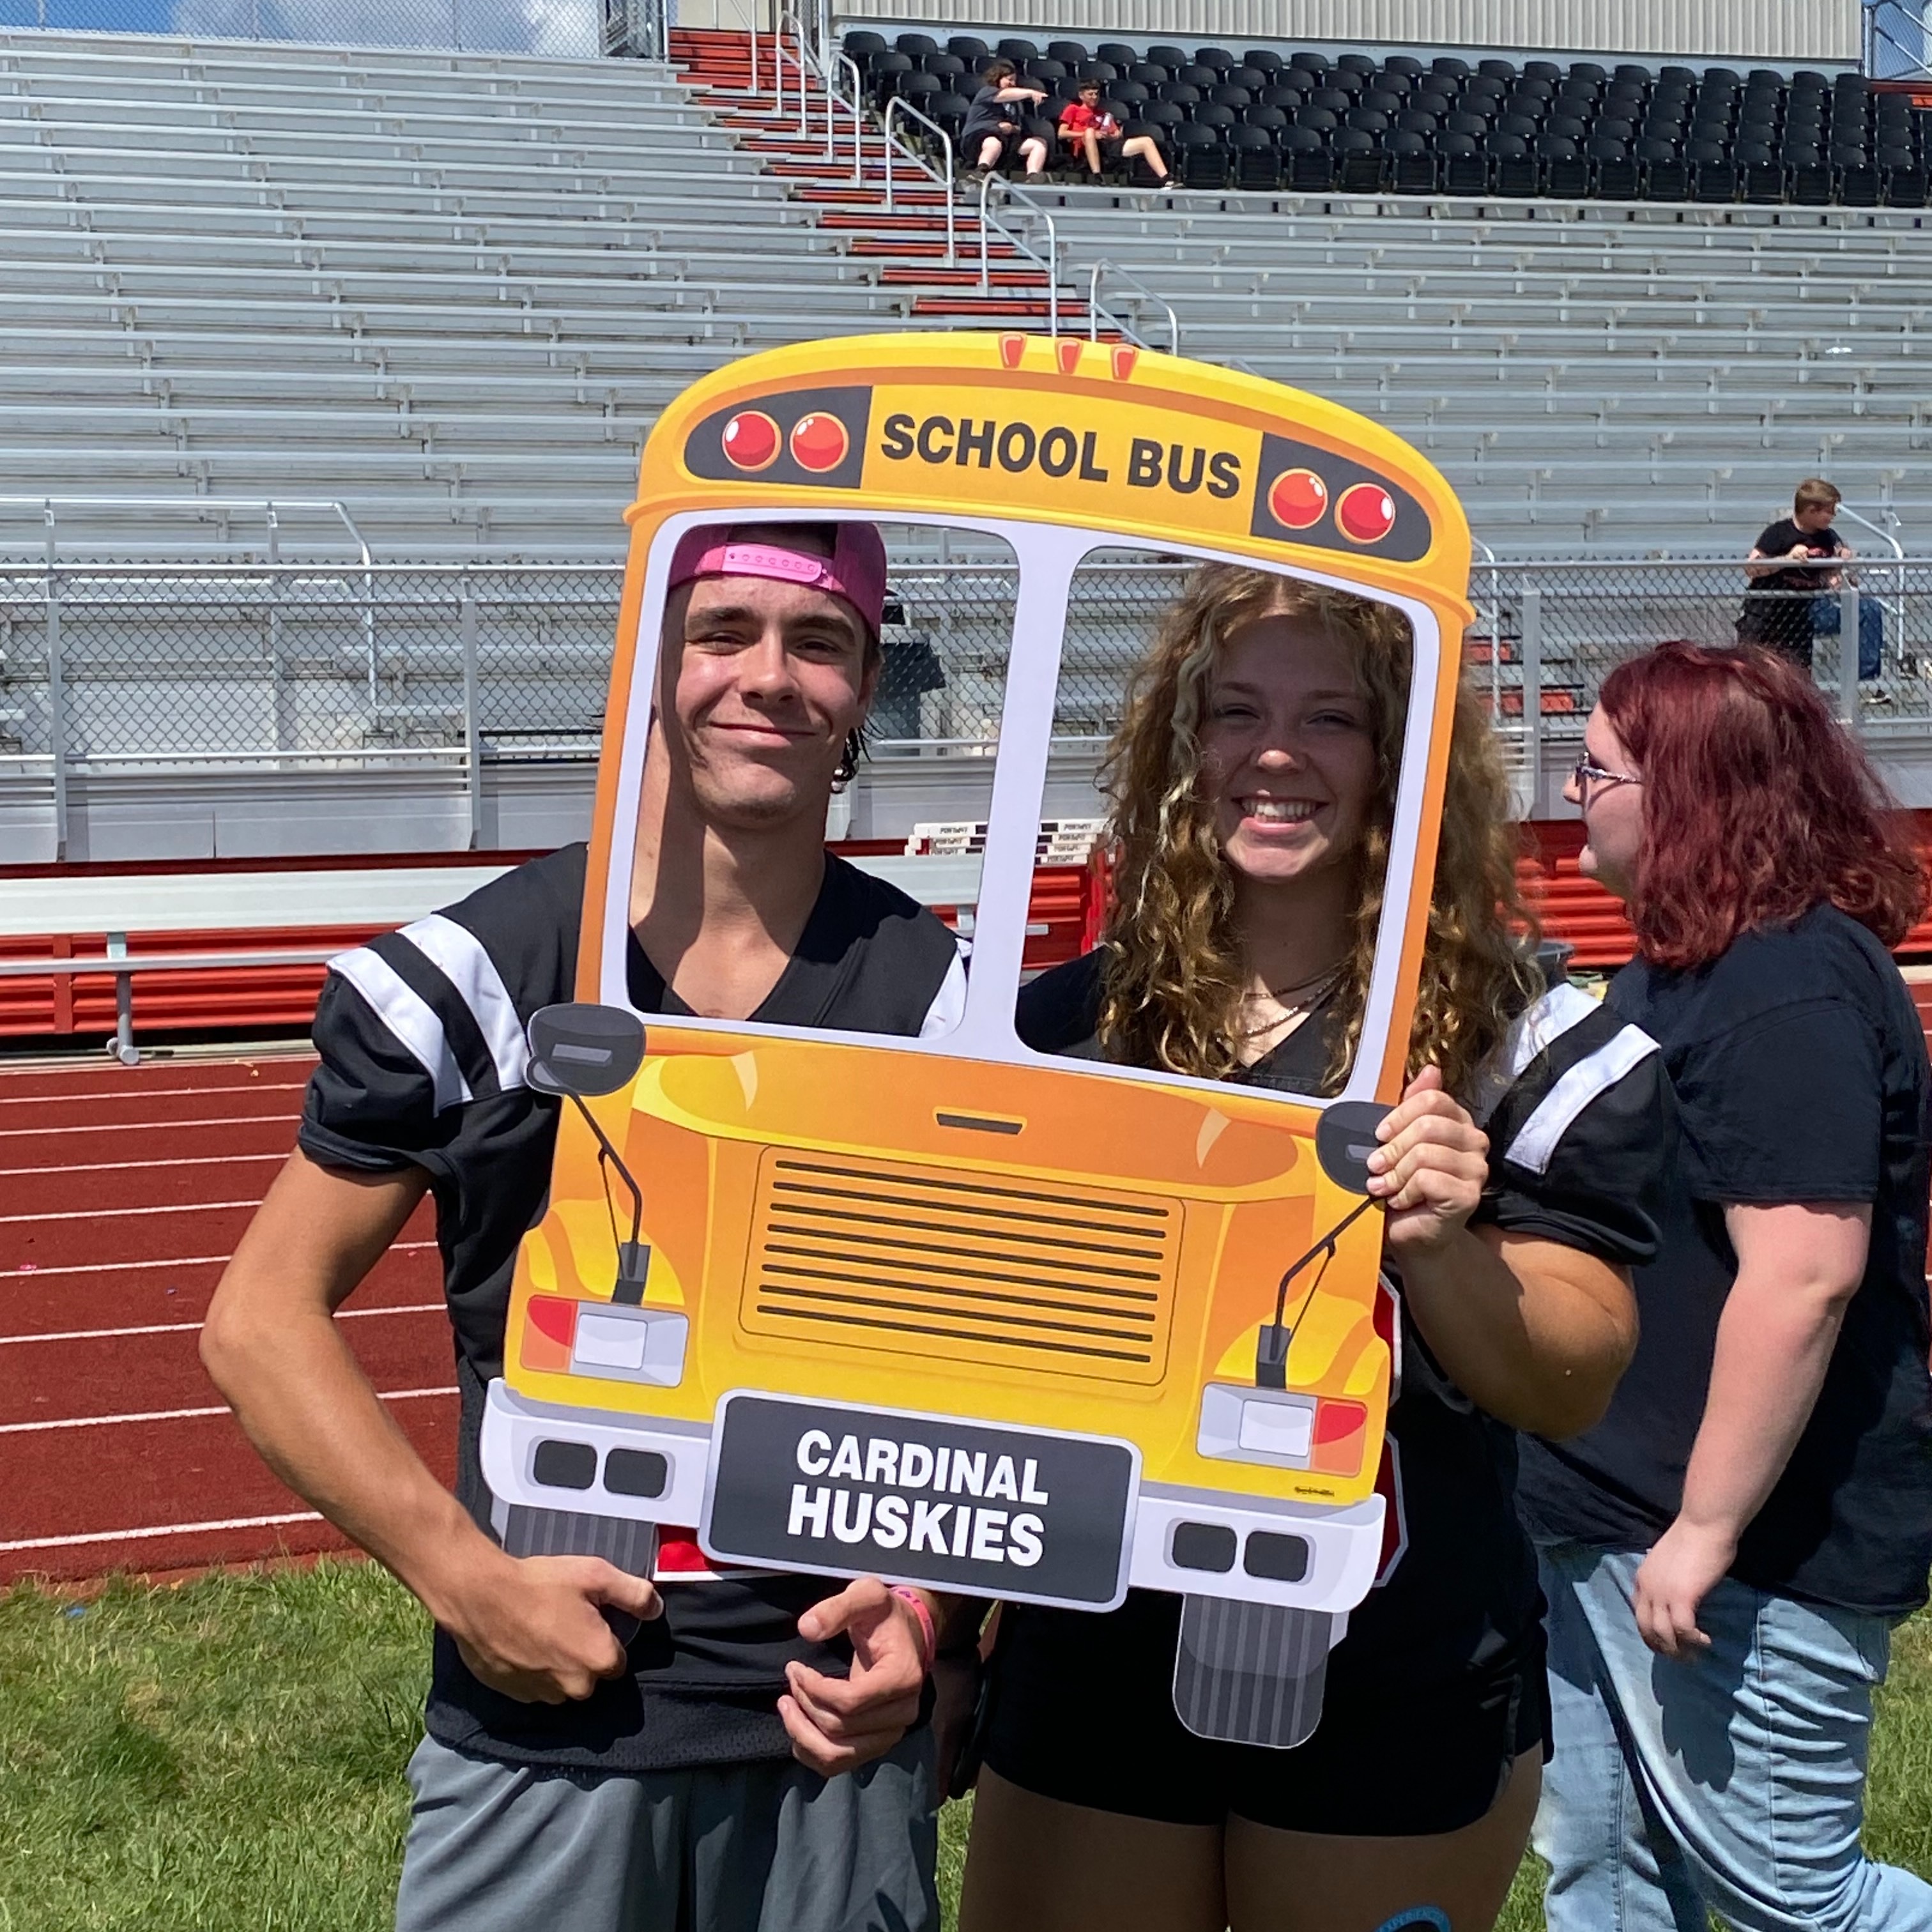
(420, 1036)
(1777, 540)
(984, 117)
(1800, 1068)
(1577, 1113)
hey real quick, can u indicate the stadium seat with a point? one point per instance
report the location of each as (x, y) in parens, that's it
(973, 51)
(1069, 53)
(1256, 160)
(1307, 165)
(916, 44)
(1199, 159)
(1117, 53)
(1717, 181)
(1172, 58)
(1906, 188)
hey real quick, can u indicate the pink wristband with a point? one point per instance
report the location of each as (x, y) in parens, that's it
(925, 1616)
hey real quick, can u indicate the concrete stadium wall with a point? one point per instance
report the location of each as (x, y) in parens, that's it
(1817, 30)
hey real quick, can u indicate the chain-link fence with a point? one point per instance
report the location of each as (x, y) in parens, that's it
(269, 668)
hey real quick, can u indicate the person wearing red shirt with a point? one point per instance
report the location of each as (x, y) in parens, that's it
(1086, 127)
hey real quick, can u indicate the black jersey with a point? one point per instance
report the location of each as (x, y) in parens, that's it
(421, 1034)
(1576, 1107)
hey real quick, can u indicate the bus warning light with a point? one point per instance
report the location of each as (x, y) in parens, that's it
(819, 441)
(1298, 498)
(1365, 514)
(751, 440)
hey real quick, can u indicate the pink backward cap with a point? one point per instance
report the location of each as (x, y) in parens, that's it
(855, 570)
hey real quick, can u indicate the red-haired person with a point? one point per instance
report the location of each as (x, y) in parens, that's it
(1726, 1553)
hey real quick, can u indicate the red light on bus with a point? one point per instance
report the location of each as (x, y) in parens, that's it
(819, 441)
(1298, 499)
(1365, 514)
(751, 440)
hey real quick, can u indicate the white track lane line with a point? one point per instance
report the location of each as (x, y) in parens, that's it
(181, 1415)
(161, 1529)
(20, 1275)
(149, 1094)
(149, 1127)
(134, 1166)
(194, 1327)
(128, 1213)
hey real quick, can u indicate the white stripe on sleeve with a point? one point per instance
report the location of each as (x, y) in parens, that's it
(949, 1003)
(460, 955)
(1596, 1074)
(410, 1017)
(1540, 1022)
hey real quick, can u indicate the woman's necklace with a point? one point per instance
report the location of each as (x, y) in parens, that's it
(1313, 991)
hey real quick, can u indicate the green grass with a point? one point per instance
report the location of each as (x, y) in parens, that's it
(228, 1754)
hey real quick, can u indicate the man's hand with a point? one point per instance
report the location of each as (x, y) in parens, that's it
(1429, 1170)
(838, 1723)
(530, 1627)
(1803, 552)
(1685, 1565)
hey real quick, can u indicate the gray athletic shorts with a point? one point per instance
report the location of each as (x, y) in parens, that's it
(770, 1847)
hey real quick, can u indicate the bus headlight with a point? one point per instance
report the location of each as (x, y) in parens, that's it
(1282, 1429)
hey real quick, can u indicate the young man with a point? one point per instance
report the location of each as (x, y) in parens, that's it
(691, 1781)
(990, 128)
(1088, 128)
(1788, 564)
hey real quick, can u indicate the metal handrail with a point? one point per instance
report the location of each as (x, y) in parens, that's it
(1051, 264)
(858, 103)
(798, 60)
(1127, 275)
(897, 106)
(271, 508)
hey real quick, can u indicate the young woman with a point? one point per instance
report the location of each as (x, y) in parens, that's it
(1254, 780)
(991, 128)
(1725, 1552)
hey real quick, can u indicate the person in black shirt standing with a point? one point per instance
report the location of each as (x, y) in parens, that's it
(1725, 1552)
(1254, 780)
(686, 1782)
(1793, 561)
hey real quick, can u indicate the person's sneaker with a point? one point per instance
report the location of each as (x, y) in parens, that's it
(1165, 185)
(1875, 693)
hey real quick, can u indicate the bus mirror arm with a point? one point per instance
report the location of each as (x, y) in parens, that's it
(634, 1258)
(1271, 1344)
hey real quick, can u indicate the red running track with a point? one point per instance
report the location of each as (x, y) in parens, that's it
(123, 1191)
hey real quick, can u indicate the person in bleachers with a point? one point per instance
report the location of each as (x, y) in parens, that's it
(1727, 1552)
(1795, 569)
(1254, 779)
(992, 133)
(751, 1752)
(1088, 128)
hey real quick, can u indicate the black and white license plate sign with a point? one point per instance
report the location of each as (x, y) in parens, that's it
(1015, 1512)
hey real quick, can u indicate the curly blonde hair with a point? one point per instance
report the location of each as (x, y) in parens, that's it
(1174, 976)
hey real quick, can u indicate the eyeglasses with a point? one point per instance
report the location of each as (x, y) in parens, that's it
(1585, 772)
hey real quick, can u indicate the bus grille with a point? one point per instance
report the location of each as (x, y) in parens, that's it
(963, 1266)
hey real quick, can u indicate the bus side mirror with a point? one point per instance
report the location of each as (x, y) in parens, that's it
(584, 1050)
(1345, 1137)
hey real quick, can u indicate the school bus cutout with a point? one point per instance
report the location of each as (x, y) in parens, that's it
(1077, 1326)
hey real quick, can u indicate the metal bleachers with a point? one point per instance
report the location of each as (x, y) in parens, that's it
(452, 291)
(1596, 376)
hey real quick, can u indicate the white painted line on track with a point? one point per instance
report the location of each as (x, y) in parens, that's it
(149, 1127)
(194, 1327)
(161, 1529)
(181, 1415)
(150, 1094)
(21, 1275)
(127, 1213)
(134, 1166)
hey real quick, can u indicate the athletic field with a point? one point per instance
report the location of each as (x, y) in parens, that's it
(227, 1756)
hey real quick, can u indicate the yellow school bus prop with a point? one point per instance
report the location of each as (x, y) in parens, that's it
(1078, 1326)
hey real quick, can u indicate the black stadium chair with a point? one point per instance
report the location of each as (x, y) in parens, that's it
(1721, 181)
(1366, 121)
(1020, 50)
(1813, 187)
(1072, 53)
(1617, 177)
(950, 111)
(1496, 68)
(1906, 188)
(1364, 65)
(1466, 173)
(861, 45)
(1414, 171)
(1212, 114)
(1199, 160)
(1105, 72)
(1861, 188)
(1122, 56)
(1318, 120)
(916, 44)
(1265, 59)
(1254, 160)
(1148, 74)
(885, 74)
(1665, 178)
(1764, 184)
(1472, 125)
(1043, 71)
(1272, 121)
(1450, 67)
(1179, 94)
(1220, 59)
(1129, 94)
(1252, 78)
(1172, 58)
(1287, 98)
(1228, 96)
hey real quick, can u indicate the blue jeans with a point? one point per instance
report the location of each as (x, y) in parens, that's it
(1736, 1781)
(1825, 619)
